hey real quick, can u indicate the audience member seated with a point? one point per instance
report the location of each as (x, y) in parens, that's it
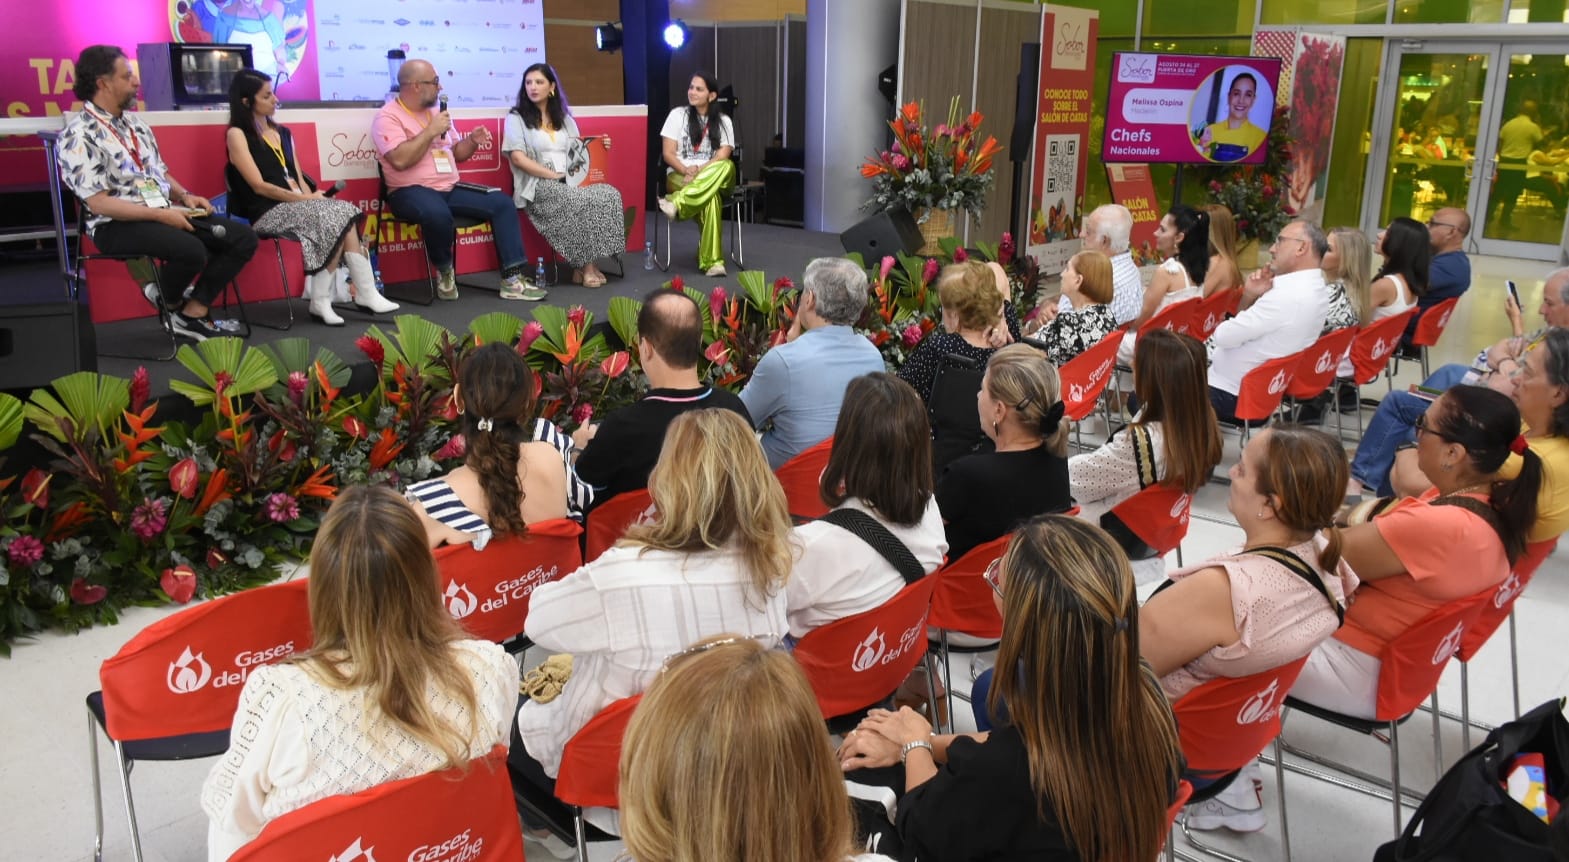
(1283, 310)
(726, 758)
(1224, 272)
(1394, 422)
(618, 452)
(1263, 605)
(797, 387)
(1106, 230)
(1402, 278)
(419, 159)
(1053, 781)
(878, 481)
(1348, 276)
(1086, 284)
(268, 189)
(1449, 271)
(982, 496)
(697, 141)
(1183, 239)
(543, 146)
(508, 480)
(109, 159)
(1173, 440)
(972, 311)
(1462, 442)
(714, 560)
(390, 688)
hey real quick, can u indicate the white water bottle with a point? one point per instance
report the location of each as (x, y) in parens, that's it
(648, 256)
(539, 273)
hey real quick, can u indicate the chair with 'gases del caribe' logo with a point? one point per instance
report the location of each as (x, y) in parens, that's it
(488, 591)
(1084, 381)
(171, 691)
(1371, 352)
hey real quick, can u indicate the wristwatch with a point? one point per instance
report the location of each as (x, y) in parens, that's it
(914, 744)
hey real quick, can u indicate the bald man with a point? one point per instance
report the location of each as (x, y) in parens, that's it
(1449, 274)
(420, 153)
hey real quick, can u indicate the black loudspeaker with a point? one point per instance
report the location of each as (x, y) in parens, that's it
(886, 233)
(888, 82)
(41, 342)
(1026, 97)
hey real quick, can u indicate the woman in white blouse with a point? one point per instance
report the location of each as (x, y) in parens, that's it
(1174, 439)
(698, 140)
(582, 223)
(714, 559)
(390, 689)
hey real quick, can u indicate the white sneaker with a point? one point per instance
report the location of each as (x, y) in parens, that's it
(666, 207)
(548, 841)
(715, 271)
(1240, 807)
(447, 285)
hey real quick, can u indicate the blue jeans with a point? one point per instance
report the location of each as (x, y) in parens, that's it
(433, 212)
(980, 692)
(1393, 423)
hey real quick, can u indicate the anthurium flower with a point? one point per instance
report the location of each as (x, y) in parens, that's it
(183, 478)
(179, 583)
(216, 559)
(717, 353)
(35, 488)
(84, 593)
(354, 427)
(615, 364)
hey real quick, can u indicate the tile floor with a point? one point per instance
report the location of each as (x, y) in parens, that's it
(46, 796)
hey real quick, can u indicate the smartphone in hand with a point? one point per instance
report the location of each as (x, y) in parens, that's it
(1514, 293)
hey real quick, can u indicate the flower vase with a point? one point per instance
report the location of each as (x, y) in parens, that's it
(1247, 256)
(938, 224)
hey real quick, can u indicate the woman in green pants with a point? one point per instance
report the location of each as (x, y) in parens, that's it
(698, 142)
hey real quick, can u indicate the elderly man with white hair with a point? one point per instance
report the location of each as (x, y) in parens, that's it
(1106, 230)
(797, 387)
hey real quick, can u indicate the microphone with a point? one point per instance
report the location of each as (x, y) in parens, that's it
(218, 231)
(443, 103)
(338, 186)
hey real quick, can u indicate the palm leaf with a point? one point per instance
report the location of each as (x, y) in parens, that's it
(988, 250)
(758, 293)
(497, 327)
(623, 314)
(88, 399)
(10, 420)
(416, 342)
(290, 355)
(250, 370)
(856, 256)
(552, 321)
(948, 244)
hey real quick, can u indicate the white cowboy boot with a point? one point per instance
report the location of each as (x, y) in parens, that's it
(366, 295)
(320, 292)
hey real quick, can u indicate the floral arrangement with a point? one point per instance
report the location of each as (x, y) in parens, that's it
(1257, 194)
(135, 508)
(946, 168)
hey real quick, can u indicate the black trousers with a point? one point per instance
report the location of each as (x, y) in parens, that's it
(185, 255)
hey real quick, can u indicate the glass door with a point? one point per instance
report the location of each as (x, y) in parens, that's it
(1520, 207)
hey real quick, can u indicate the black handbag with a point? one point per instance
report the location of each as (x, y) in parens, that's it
(1469, 815)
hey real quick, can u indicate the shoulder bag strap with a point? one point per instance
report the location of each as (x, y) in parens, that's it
(1143, 454)
(868, 530)
(1476, 507)
(1303, 570)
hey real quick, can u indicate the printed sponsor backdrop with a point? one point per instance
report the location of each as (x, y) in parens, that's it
(1062, 134)
(1132, 187)
(1310, 86)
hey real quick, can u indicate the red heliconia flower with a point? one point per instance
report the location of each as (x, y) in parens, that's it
(716, 302)
(84, 593)
(717, 353)
(35, 488)
(354, 427)
(582, 413)
(577, 315)
(372, 348)
(677, 283)
(455, 447)
(531, 334)
(179, 583)
(960, 255)
(141, 387)
(183, 478)
(615, 364)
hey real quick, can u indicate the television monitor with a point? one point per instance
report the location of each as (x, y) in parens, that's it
(1189, 108)
(180, 75)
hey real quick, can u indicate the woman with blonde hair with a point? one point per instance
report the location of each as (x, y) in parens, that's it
(982, 496)
(1052, 781)
(726, 757)
(1224, 272)
(1086, 282)
(390, 688)
(715, 558)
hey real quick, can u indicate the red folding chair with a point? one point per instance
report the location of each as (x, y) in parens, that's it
(609, 521)
(1372, 349)
(1084, 381)
(1212, 311)
(1315, 374)
(1176, 316)
(588, 777)
(1430, 326)
(452, 814)
(1159, 516)
(171, 691)
(1225, 724)
(962, 602)
(1410, 666)
(1263, 390)
(800, 476)
(1184, 793)
(488, 591)
(859, 661)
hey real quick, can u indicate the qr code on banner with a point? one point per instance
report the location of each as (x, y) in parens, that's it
(1062, 168)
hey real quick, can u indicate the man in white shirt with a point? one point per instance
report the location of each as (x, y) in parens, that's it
(1106, 230)
(1516, 139)
(1282, 312)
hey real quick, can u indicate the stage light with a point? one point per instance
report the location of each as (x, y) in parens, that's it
(608, 37)
(675, 34)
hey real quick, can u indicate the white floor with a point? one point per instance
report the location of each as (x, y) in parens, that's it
(46, 793)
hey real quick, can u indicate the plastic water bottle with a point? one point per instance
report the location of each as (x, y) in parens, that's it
(539, 273)
(648, 256)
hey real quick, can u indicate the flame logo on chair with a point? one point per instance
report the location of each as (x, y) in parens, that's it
(1444, 321)
(1179, 509)
(1210, 322)
(869, 652)
(1507, 591)
(1381, 348)
(1449, 645)
(1277, 383)
(188, 672)
(1261, 706)
(1324, 363)
(1075, 394)
(460, 601)
(354, 853)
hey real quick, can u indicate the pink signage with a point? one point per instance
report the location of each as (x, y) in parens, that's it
(1188, 108)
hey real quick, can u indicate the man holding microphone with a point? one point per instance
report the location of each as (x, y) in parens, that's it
(419, 158)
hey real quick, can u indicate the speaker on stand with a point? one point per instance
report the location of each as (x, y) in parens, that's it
(887, 233)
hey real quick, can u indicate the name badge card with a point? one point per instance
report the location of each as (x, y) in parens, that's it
(151, 193)
(443, 159)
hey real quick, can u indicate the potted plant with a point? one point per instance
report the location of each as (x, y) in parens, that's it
(933, 172)
(1257, 194)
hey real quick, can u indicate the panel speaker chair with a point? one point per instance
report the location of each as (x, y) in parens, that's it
(385, 216)
(739, 200)
(220, 205)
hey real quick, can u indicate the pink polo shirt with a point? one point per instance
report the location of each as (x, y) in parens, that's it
(395, 124)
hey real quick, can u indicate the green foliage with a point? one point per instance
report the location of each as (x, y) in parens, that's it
(83, 402)
(241, 370)
(497, 327)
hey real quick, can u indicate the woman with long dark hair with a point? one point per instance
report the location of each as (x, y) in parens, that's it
(1407, 251)
(268, 189)
(698, 140)
(1183, 237)
(582, 223)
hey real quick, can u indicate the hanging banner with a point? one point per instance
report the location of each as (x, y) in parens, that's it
(1310, 88)
(1132, 186)
(1067, 83)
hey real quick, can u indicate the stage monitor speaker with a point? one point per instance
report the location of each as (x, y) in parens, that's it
(1026, 97)
(886, 233)
(888, 83)
(39, 343)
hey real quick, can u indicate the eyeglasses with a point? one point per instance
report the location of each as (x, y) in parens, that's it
(1283, 238)
(433, 82)
(992, 571)
(1437, 223)
(1423, 428)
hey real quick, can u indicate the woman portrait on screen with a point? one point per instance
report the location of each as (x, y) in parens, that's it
(1235, 137)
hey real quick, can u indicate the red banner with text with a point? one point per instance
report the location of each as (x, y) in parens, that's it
(1067, 83)
(1132, 187)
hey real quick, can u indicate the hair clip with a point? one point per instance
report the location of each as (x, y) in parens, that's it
(485, 424)
(1122, 624)
(1519, 445)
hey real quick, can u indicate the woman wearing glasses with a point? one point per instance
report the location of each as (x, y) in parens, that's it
(1050, 782)
(713, 559)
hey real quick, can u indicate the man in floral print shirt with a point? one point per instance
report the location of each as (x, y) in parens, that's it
(110, 160)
